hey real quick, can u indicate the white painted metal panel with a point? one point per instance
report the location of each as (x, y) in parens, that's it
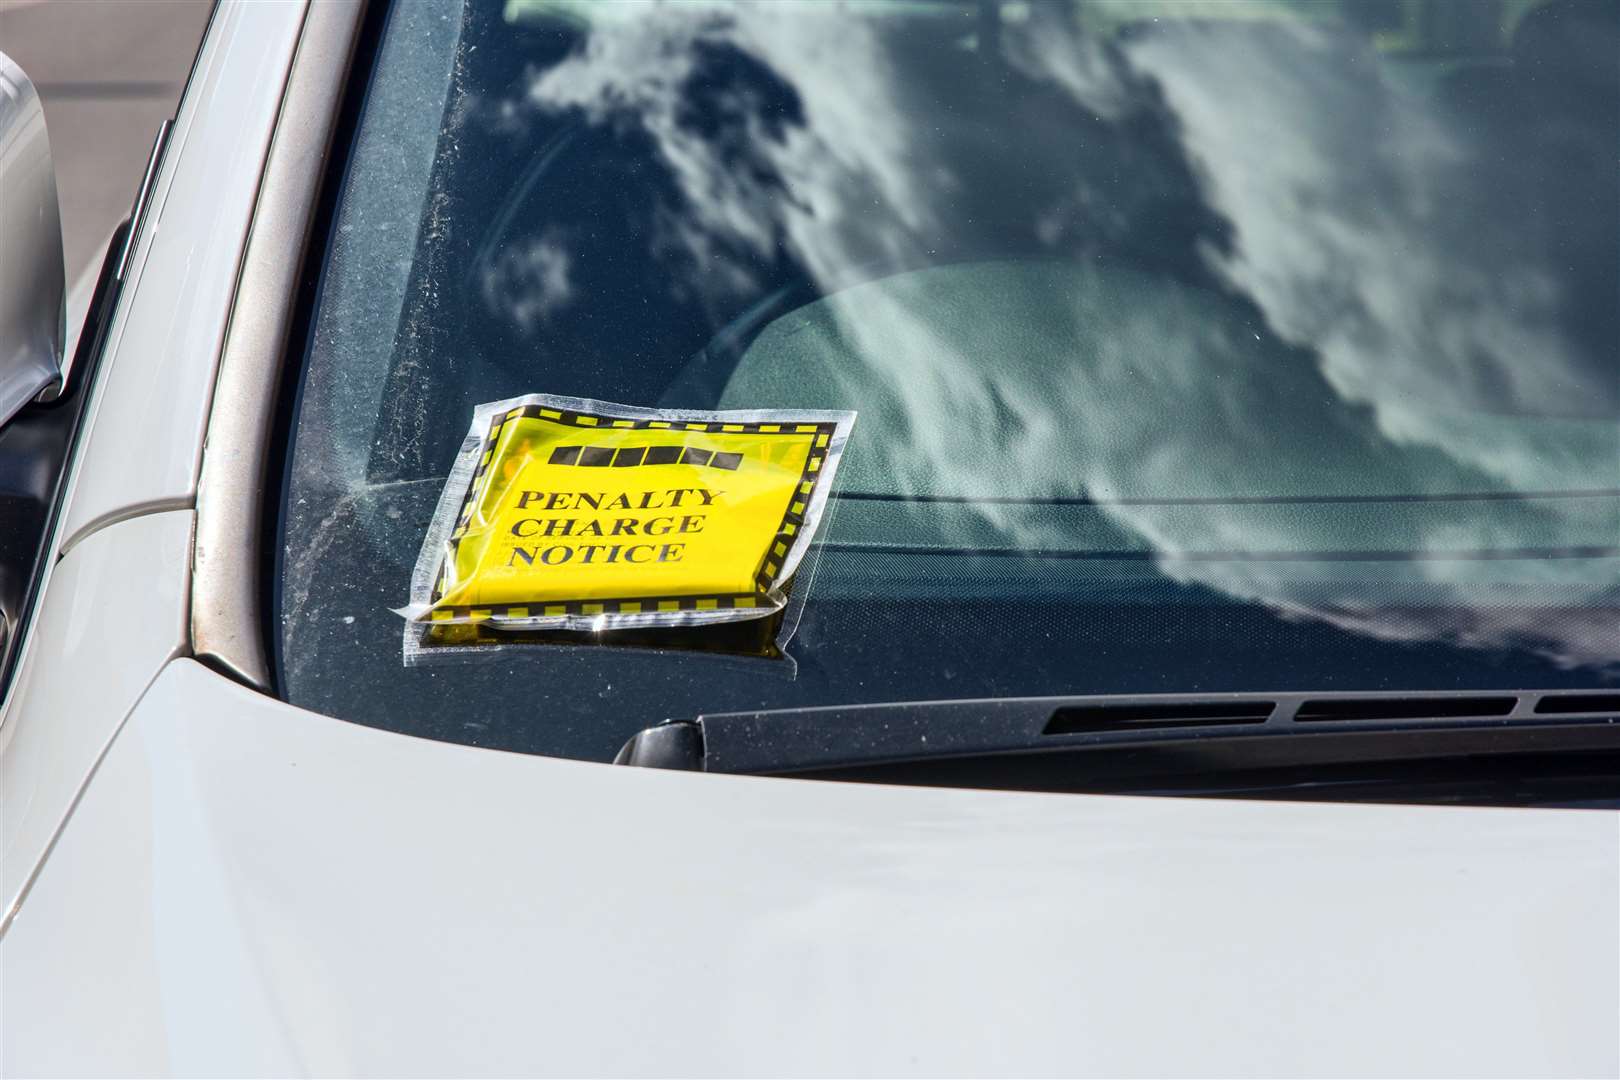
(151, 405)
(113, 615)
(268, 891)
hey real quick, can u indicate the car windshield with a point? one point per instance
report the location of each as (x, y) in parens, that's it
(1198, 345)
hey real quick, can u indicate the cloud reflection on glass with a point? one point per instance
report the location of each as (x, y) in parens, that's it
(1318, 324)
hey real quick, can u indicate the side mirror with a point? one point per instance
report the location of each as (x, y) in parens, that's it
(32, 288)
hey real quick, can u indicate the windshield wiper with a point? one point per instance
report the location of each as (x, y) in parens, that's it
(1149, 734)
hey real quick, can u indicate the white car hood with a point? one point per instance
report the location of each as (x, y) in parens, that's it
(249, 888)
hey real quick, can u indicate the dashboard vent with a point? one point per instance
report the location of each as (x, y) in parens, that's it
(1341, 709)
(1090, 719)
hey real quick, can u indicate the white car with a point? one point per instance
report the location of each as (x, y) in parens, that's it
(1210, 666)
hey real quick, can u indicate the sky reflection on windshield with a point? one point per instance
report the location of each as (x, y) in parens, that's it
(1206, 259)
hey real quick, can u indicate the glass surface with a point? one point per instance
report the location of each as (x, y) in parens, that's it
(1252, 345)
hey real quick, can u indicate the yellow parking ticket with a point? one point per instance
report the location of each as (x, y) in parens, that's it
(575, 514)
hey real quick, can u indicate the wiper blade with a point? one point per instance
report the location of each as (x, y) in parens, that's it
(1248, 727)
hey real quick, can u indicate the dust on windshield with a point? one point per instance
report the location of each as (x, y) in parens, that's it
(1242, 346)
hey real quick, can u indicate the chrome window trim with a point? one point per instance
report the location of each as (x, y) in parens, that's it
(136, 223)
(143, 197)
(227, 614)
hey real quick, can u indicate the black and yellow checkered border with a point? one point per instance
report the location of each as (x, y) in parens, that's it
(793, 518)
(638, 457)
(643, 605)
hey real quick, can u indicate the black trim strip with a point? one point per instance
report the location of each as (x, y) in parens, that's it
(1233, 500)
(1135, 555)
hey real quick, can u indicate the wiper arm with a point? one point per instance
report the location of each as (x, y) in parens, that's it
(1246, 730)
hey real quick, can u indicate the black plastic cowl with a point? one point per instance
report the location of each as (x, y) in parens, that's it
(677, 744)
